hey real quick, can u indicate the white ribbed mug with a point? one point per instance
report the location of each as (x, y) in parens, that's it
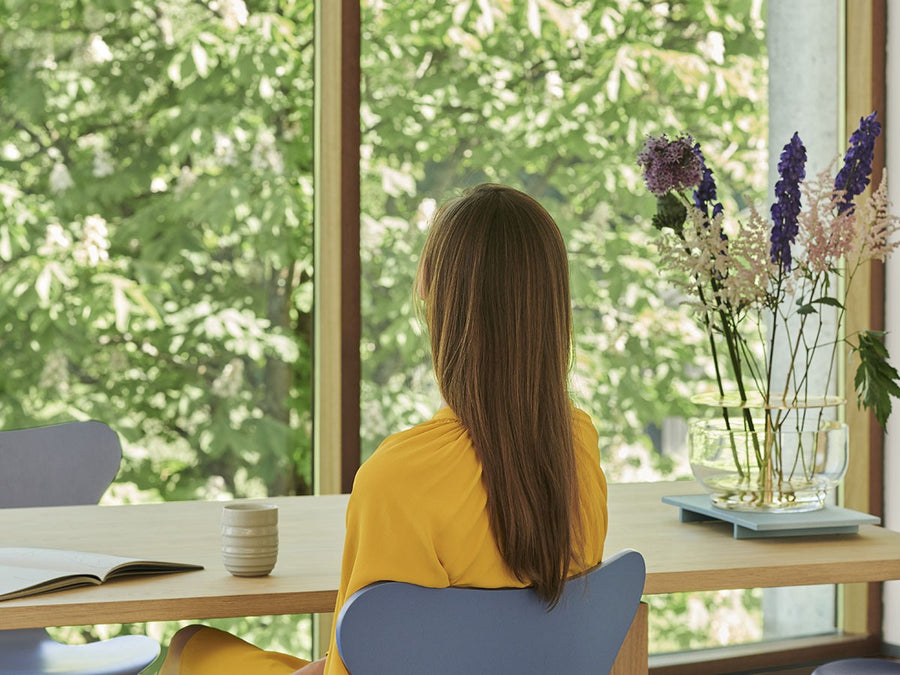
(249, 538)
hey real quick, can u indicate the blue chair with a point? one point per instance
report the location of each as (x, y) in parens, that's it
(393, 628)
(859, 667)
(63, 465)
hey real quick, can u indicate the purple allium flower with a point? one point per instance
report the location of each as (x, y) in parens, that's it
(705, 193)
(786, 208)
(854, 175)
(670, 164)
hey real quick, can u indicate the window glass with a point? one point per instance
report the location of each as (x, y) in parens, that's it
(155, 237)
(556, 98)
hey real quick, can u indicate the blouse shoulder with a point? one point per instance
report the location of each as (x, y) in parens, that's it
(418, 459)
(584, 424)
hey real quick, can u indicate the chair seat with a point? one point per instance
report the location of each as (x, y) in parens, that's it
(859, 667)
(33, 651)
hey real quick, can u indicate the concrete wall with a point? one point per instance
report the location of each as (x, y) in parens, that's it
(804, 43)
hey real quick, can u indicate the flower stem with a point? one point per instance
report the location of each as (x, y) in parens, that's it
(721, 386)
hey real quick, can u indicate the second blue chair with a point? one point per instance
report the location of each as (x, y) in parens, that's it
(859, 667)
(63, 465)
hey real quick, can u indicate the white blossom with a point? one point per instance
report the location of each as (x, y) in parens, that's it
(56, 239)
(425, 213)
(713, 48)
(10, 152)
(97, 50)
(94, 245)
(265, 155)
(164, 23)
(230, 381)
(224, 149)
(48, 62)
(185, 180)
(103, 164)
(554, 84)
(9, 194)
(158, 184)
(60, 178)
(234, 13)
(266, 90)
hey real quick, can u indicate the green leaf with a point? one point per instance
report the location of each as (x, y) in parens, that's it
(876, 380)
(670, 212)
(828, 300)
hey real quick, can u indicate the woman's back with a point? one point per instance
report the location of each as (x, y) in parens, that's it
(418, 513)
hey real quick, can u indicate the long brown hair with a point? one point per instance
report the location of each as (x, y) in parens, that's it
(494, 277)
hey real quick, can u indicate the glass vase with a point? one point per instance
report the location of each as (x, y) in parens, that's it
(781, 458)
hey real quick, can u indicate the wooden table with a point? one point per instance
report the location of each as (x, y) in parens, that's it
(680, 557)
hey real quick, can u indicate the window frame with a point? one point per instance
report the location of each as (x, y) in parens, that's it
(336, 317)
(865, 84)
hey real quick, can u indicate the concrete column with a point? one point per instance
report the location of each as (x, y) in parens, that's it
(804, 44)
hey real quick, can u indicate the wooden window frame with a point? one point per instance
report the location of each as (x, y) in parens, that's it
(337, 322)
(865, 87)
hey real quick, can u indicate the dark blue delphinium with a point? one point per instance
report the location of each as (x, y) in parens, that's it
(854, 175)
(786, 209)
(705, 193)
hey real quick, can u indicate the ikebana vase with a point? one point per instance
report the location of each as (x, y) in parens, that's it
(770, 458)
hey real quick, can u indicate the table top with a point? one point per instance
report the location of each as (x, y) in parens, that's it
(704, 556)
(680, 557)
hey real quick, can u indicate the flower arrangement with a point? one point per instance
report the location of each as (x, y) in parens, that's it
(775, 277)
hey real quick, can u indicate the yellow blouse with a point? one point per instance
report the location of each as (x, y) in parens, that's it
(417, 513)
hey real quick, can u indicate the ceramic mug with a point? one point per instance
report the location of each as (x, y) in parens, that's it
(249, 538)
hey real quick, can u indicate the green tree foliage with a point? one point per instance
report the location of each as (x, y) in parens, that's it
(156, 247)
(155, 234)
(555, 98)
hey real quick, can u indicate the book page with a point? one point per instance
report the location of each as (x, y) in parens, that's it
(21, 581)
(61, 562)
(28, 571)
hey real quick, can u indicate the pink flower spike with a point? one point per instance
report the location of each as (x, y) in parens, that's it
(877, 227)
(825, 234)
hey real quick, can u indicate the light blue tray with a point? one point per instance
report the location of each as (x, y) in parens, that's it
(829, 520)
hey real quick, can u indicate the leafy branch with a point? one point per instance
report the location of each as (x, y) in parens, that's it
(876, 379)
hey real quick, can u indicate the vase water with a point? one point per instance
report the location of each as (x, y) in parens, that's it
(784, 458)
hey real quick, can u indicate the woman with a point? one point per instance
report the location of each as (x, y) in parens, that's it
(503, 486)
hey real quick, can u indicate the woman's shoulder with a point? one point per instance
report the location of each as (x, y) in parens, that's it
(433, 448)
(443, 426)
(580, 416)
(583, 423)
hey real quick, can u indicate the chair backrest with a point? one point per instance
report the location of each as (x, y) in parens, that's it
(397, 628)
(59, 465)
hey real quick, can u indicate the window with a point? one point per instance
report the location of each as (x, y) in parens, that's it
(156, 189)
(555, 98)
(156, 199)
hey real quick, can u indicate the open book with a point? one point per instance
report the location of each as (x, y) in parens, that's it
(29, 571)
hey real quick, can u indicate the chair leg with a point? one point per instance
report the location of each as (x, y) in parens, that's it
(633, 658)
